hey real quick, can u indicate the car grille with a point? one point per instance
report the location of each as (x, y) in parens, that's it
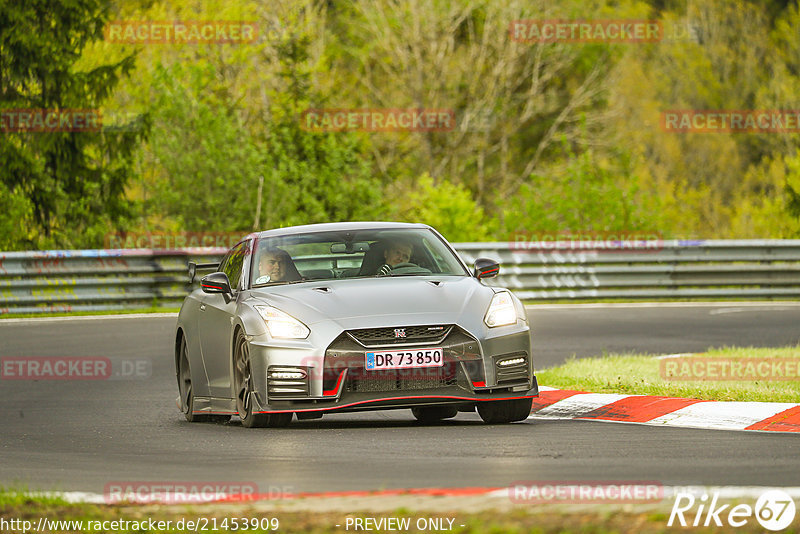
(508, 371)
(375, 337)
(402, 379)
(460, 349)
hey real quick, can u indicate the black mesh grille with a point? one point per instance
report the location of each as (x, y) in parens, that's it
(458, 348)
(372, 337)
(402, 379)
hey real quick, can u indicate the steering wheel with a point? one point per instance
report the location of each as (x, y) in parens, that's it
(407, 264)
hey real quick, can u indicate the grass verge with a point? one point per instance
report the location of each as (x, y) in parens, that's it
(153, 309)
(647, 375)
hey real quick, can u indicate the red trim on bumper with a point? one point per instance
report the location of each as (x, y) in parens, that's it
(335, 390)
(371, 401)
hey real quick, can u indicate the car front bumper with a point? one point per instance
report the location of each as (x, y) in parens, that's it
(336, 379)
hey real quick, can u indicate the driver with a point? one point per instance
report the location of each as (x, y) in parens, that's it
(396, 252)
(275, 265)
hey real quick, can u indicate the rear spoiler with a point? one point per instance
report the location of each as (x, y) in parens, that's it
(193, 267)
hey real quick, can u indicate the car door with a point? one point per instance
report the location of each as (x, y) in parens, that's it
(216, 322)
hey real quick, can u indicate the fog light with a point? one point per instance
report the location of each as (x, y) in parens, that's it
(287, 375)
(513, 361)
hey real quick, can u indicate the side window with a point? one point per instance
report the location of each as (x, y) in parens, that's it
(234, 263)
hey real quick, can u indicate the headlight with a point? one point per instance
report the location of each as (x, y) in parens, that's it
(501, 310)
(281, 324)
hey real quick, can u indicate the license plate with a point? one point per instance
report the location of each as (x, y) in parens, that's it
(404, 359)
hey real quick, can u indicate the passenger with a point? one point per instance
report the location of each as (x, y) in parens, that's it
(275, 265)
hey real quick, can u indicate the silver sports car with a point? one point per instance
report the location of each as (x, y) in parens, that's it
(348, 317)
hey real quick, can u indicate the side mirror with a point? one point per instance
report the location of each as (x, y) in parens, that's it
(485, 268)
(194, 267)
(216, 283)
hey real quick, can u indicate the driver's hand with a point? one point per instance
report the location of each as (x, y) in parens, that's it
(385, 269)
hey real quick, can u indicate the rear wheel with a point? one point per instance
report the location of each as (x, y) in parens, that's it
(243, 380)
(431, 414)
(505, 411)
(186, 392)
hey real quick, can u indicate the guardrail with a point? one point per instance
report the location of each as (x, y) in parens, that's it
(89, 280)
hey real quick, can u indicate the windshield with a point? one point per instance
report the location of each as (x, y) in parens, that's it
(352, 254)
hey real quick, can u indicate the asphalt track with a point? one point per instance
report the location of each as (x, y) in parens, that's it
(83, 435)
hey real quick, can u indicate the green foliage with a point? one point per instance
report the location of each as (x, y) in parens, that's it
(16, 217)
(447, 207)
(209, 161)
(73, 181)
(552, 137)
(312, 177)
(585, 195)
(634, 374)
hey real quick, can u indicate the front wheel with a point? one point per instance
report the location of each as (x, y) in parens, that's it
(243, 381)
(432, 414)
(505, 411)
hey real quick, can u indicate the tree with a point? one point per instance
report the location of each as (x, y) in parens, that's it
(448, 207)
(208, 164)
(73, 180)
(311, 177)
(512, 100)
(584, 194)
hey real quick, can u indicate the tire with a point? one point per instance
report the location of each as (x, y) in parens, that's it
(505, 411)
(432, 414)
(242, 377)
(186, 392)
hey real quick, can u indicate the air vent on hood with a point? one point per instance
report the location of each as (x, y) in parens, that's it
(322, 289)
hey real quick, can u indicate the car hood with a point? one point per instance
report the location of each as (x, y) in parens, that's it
(371, 302)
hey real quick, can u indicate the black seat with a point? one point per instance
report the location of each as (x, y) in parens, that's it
(373, 259)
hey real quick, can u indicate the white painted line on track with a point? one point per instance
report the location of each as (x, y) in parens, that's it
(679, 355)
(753, 309)
(669, 492)
(533, 418)
(722, 415)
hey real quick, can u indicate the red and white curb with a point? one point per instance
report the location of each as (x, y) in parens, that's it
(498, 493)
(666, 411)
